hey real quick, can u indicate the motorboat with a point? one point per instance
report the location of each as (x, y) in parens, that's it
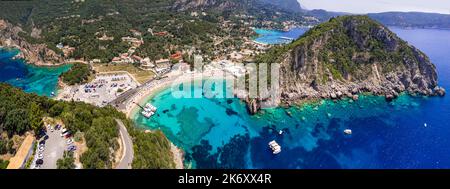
(276, 148)
(348, 131)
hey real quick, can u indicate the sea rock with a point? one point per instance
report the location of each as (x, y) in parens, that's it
(348, 95)
(389, 97)
(333, 96)
(253, 105)
(439, 91)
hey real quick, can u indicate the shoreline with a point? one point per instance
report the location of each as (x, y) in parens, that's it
(20, 56)
(131, 112)
(145, 95)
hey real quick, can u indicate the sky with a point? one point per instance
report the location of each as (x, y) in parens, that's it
(375, 6)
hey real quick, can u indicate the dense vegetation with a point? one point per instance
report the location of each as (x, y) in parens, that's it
(3, 164)
(19, 110)
(160, 158)
(348, 44)
(67, 162)
(78, 73)
(6, 145)
(80, 24)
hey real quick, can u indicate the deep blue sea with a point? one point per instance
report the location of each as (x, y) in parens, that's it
(276, 37)
(410, 132)
(33, 79)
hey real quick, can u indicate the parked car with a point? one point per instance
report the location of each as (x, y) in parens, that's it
(40, 156)
(41, 133)
(42, 142)
(45, 137)
(70, 141)
(71, 148)
(41, 148)
(39, 162)
(68, 135)
(64, 132)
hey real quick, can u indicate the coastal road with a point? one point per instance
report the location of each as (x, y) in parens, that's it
(128, 154)
(121, 101)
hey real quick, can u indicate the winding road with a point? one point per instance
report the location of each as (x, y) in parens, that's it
(127, 156)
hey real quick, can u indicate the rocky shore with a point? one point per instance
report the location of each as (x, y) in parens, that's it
(38, 54)
(351, 55)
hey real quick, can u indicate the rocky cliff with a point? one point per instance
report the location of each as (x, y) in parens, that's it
(37, 54)
(354, 54)
(350, 55)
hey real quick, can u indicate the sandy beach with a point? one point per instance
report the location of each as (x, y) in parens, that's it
(154, 87)
(147, 92)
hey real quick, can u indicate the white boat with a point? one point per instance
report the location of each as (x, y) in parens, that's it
(348, 131)
(276, 148)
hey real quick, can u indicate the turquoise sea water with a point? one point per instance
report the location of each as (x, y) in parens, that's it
(274, 36)
(219, 133)
(33, 79)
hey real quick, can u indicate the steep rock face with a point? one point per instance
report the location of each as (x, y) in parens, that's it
(37, 54)
(350, 55)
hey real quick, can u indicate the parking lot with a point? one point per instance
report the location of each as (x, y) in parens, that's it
(102, 90)
(50, 149)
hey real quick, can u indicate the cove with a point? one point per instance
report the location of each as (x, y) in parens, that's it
(273, 37)
(409, 132)
(32, 79)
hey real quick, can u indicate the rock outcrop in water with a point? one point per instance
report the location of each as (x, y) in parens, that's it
(350, 55)
(37, 54)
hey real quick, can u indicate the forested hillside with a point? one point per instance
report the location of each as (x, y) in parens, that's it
(21, 112)
(81, 24)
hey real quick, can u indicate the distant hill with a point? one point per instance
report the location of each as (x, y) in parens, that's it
(287, 5)
(284, 5)
(413, 19)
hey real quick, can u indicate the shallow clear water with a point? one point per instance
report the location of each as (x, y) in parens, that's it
(33, 79)
(220, 132)
(275, 36)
